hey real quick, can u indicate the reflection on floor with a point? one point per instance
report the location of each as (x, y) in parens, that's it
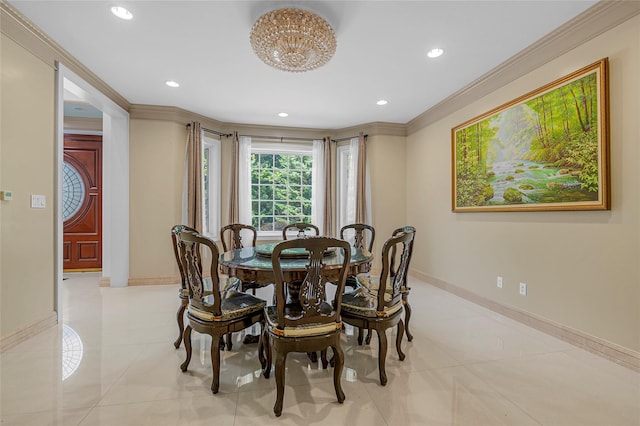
(113, 363)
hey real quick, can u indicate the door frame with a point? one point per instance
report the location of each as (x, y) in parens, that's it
(115, 180)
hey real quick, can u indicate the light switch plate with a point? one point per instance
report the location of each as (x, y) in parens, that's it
(38, 201)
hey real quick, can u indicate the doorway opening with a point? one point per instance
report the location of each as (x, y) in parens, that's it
(114, 207)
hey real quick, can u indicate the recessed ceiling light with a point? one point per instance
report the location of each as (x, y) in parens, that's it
(122, 13)
(172, 83)
(434, 53)
(283, 114)
(382, 102)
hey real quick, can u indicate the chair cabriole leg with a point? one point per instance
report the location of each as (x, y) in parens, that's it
(180, 319)
(382, 354)
(186, 337)
(281, 357)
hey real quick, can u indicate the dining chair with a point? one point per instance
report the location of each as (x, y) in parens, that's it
(218, 310)
(359, 234)
(404, 287)
(362, 235)
(303, 230)
(377, 303)
(183, 293)
(236, 236)
(310, 323)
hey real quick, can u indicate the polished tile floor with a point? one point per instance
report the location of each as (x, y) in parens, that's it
(113, 363)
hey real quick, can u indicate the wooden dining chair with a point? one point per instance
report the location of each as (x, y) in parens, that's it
(183, 293)
(309, 323)
(404, 287)
(302, 230)
(362, 236)
(236, 236)
(377, 304)
(218, 310)
(359, 234)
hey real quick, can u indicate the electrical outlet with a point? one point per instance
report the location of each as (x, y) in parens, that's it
(523, 289)
(499, 282)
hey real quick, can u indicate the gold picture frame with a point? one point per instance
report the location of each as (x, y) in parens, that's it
(546, 150)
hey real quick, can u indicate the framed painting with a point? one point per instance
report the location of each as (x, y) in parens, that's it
(546, 150)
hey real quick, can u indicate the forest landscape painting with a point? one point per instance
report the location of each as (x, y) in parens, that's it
(547, 150)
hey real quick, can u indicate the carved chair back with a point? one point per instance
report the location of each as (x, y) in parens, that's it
(362, 234)
(175, 231)
(404, 229)
(394, 275)
(232, 236)
(302, 229)
(312, 307)
(191, 245)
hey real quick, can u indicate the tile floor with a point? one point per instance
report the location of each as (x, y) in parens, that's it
(465, 366)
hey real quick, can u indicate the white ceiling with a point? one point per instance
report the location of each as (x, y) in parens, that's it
(381, 54)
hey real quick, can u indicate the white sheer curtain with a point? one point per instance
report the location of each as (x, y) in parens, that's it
(318, 185)
(350, 214)
(244, 181)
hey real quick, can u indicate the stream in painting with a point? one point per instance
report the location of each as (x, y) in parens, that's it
(536, 182)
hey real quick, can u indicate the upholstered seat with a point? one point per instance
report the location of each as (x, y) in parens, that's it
(294, 311)
(234, 305)
(364, 302)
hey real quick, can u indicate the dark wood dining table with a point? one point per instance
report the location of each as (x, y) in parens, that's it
(253, 264)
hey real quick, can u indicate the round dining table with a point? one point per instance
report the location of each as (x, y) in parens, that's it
(253, 264)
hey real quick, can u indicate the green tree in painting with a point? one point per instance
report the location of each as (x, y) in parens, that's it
(471, 164)
(566, 129)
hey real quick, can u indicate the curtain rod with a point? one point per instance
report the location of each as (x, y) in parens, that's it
(283, 138)
(212, 131)
(347, 138)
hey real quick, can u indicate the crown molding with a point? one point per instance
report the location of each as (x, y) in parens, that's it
(596, 20)
(182, 116)
(22, 31)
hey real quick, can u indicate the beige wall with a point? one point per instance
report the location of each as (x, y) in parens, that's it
(582, 268)
(387, 157)
(156, 155)
(27, 158)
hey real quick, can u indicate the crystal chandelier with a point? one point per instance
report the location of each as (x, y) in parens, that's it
(293, 40)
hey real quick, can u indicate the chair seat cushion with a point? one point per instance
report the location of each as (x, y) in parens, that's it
(294, 311)
(226, 284)
(234, 305)
(372, 282)
(364, 302)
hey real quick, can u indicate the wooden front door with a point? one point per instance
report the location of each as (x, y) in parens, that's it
(82, 202)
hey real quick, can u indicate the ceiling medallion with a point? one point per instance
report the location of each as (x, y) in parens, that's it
(293, 40)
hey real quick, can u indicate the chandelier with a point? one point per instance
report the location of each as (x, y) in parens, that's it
(293, 40)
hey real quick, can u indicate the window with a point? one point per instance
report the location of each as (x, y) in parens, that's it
(281, 185)
(210, 186)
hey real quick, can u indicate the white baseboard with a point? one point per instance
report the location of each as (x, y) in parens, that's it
(609, 350)
(28, 331)
(165, 280)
